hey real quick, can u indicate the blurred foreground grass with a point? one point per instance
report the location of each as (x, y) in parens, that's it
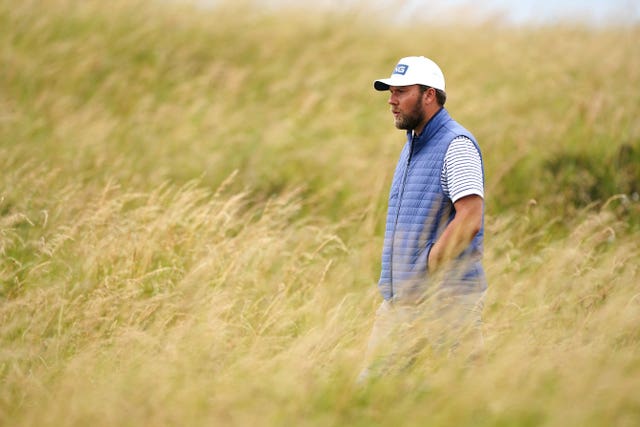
(191, 205)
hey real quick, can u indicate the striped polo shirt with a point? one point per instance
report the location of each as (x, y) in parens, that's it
(462, 170)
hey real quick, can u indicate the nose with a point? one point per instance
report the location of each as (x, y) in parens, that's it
(392, 99)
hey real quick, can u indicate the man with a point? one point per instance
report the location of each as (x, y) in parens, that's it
(432, 280)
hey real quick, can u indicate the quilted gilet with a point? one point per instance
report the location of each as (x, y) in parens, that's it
(418, 213)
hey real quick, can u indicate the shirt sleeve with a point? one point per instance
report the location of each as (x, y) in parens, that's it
(462, 170)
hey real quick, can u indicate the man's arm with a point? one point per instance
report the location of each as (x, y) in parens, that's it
(459, 233)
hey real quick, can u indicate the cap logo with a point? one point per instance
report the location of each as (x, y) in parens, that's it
(401, 69)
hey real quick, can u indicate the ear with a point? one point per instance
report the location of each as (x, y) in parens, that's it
(429, 96)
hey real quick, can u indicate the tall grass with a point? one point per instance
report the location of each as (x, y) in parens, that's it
(191, 204)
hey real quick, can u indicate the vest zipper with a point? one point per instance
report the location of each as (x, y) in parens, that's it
(400, 197)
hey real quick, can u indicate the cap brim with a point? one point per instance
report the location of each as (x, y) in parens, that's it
(384, 84)
(381, 84)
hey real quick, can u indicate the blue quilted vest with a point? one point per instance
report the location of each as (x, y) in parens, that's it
(417, 215)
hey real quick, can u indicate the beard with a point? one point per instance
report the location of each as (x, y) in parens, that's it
(412, 119)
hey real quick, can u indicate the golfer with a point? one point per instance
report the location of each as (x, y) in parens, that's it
(432, 280)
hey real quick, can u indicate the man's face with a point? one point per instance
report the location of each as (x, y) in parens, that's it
(406, 106)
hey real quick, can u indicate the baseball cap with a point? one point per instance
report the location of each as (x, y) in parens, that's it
(413, 70)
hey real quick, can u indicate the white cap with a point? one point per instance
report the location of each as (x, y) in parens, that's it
(413, 70)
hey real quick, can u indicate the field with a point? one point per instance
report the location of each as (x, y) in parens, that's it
(192, 204)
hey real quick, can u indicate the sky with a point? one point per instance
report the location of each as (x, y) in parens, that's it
(544, 11)
(596, 12)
